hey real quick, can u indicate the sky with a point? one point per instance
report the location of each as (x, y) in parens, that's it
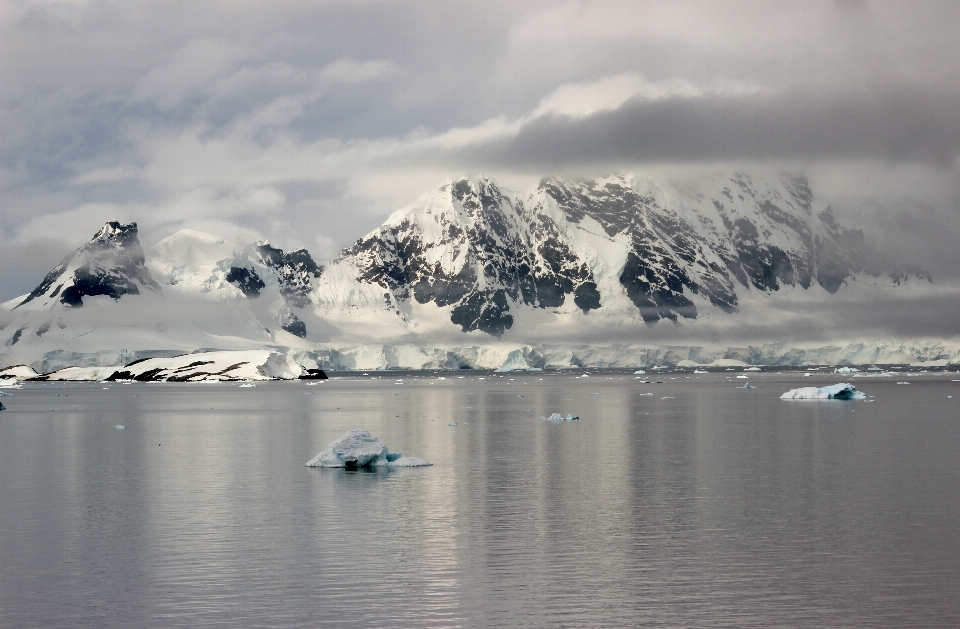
(308, 123)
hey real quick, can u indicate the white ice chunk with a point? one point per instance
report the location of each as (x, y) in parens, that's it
(639, 372)
(119, 427)
(557, 417)
(358, 448)
(841, 391)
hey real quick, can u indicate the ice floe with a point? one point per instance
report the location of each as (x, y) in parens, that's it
(842, 391)
(358, 448)
(747, 385)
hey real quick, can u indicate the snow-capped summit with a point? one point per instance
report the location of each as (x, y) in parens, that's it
(111, 264)
(467, 263)
(622, 245)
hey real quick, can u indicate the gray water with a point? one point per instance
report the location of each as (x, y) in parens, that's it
(721, 507)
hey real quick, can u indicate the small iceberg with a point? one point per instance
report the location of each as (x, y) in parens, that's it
(119, 427)
(10, 384)
(557, 417)
(358, 448)
(841, 391)
(5, 394)
(2, 407)
(453, 424)
(639, 372)
(747, 385)
(248, 385)
(752, 369)
(700, 371)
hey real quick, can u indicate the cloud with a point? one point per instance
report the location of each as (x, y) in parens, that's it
(896, 123)
(308, 123)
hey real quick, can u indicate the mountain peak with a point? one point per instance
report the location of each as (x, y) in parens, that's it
(111, 263)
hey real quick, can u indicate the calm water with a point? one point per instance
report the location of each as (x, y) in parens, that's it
(719, 507)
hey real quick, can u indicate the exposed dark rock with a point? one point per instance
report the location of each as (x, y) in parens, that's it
(297, 328)
(246, 280)
(313, 374)
(111, 264)
(294, 272)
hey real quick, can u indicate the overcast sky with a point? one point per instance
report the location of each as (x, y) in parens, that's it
(309, 123)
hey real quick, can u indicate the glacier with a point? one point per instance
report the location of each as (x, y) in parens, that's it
(470, 275)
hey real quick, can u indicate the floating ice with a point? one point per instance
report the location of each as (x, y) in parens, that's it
(248, 385)
(747, 385)
(744, 377)
(454, 424)
(119, 427)
(557, 417)
(841, 391)
(752, 369)
(2, 407)
(358, 448)
(667, 397)
(846, 370)
(639, 372)
(5, 394)
(8, 383)
(903, 383)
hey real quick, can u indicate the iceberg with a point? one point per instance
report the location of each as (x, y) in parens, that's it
(841, 391)
(747, 385)
(557, 417)
(358, 448)
(10, 384)
(2, 407)
(5, 394)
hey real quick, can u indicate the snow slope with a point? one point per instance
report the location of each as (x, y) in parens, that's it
(619, 271)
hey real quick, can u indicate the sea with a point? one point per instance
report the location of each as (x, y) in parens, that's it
(675, 500)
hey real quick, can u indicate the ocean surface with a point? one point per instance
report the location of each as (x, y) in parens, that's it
(684, 503)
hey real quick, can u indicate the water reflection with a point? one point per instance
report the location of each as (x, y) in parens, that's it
(714, 503)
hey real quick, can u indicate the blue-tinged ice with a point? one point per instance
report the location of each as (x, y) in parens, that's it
(358, 448)
(557, 417)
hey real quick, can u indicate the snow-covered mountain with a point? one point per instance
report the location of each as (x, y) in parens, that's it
(467, 264)
(621, 249)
